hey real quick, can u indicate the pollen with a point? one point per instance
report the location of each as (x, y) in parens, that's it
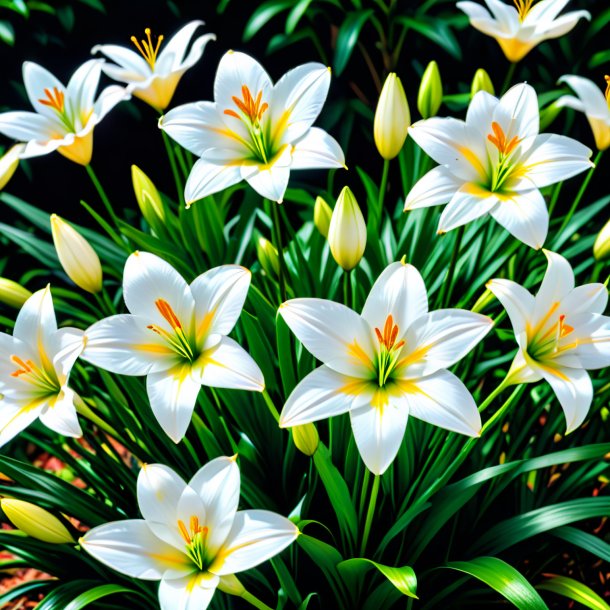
(165, 309)
(252, 107)
(54, 99)
(147, 49)
(390, 332)
(24, 367)
(500, 141)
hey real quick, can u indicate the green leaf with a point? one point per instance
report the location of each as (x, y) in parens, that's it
(7, 33)
(584, 540)
(263, 14)
(435, 30)
(296, 14)
(348, 37)
(577, 591)
(403, 579)
(88, 597)
(505, 579)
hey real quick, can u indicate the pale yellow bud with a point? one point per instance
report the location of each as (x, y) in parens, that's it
(148, 197)
(306, 438)
(322, 214)
(483, 301)
(77, 257)
(231, 585)
(481, 82)
(9, 162)
(267, 256)
(12, 293)
(430, 95)
(347, 231)
(601, 247)
(36, 522)
(392, 118)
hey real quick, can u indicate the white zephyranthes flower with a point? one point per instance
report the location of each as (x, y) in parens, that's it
(560, 333)
(518, 29)
(495, 162)
(192, 537)
(384, 365)
(154, 72)
(65, 116)
(254, 130)
(176, 335)
(593, 103)
(35, 364)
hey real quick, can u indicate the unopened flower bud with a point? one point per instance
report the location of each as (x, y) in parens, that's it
(481, 82)
(12, 293)
(322, 214)
(268, 256)
(148, 197)
(231, 585)
(601, 247)
(347, 231)
(483, 301)
(392, 118)
(430, 95)
(306, 438)
(78, 259)
(36, 522)
(8, 163)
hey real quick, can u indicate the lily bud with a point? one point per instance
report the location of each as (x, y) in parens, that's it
(483, 301)
(392, 118)
(77, 257)
(268, 256)
(430, 95)
(601, 247)
(148, 197)
(231, 585)
(12, 293)
(306, 438)
(36, 522)
(347, 231)
(481, 82)
(322, 213)
(8, 163)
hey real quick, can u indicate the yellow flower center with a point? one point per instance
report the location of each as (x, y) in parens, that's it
(523, 6)
(607, 94)
(178, 341)
(389, 350)
(195, 536)
(30, 372)
(503, 169)
(147, 49)
(252, 108)
(54, 99)
(544, 340)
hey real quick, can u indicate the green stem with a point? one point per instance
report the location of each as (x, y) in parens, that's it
(172, 161)
(257, 603)
(271, 405)
(277, 233)
(493, 395)
(347, 288)
(509, 77)
(581, 192)
(363, 490)
(83, 408)
(369, 514)
(554, 198)
(447, 287)
(102, 193)
(382, 190)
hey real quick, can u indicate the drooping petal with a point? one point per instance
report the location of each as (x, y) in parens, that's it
(27, 126)
(589, 94)
(256, 536)
(134, 64)
(322, 394)
(442, 400)
(37, 81)
(228, 365)
(562, 25)
(517, 301)
(172, 53)
(524, 215)
(317, 150)
(192, 592)
(106, 101)
(556, 285)
(379, 429)
(435, 188)
(36, 323)
(480, 18)
(517, 112)
(194, 55)
(400, 292)
(124, 344)
(59, 414)
(469, 203)
(172, 395)
(333, 333)
(131, 548)
(15, 417)
(269, 181)
(208, 178)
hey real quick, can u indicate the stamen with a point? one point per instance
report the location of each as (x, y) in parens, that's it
(524, 7)
(184, 532)
(53, 99)
(499, 140)
(146, 49)
(26, 367)
(165, 309)
(389, 350)
(248, 105)
(607, 94)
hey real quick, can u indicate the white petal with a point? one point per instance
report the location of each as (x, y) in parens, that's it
(434, 188)
(172, 395)
(193, 592)
(480, 112)
(36, 323)
(474, 10)
(60, 414)
(66, 346)
(209, 178)
(442, 400)
(270, 182)
(524, 216)
(219, 296)
(545, 10)
(400, 292)
(36, 79)
(379, 430)
(517, 113)
(107, 100)
(507, 16)
(469, 203)
(131, 548)
(588, 298)
(322, 394)
(173, 51)
(133, 62)
(26, 126)
(16, 417)
(333, 333)
(556, 285)
(592, 337)
(256, 536)
(590, 96)
(228, 365)
(197, 48)
(82, 86)
(562, 25)
(517, 301)
(316, 150)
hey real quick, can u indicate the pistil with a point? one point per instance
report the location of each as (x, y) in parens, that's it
(196, 540)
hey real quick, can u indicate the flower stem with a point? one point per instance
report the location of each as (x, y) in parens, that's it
(347, 288)
(102, 193)
(369, 514)
(277, 234)
(83, 408)
(257, 603)
(493, 395)
(363, 490)
(509, 77)
(382, 190)
(447, 287)
(172, 161)
(271, 405)
(580, 194)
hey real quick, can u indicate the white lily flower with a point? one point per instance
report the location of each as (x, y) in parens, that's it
(153, 73)
(595, 104)
(494, 163)
(35, 364)
(254, 130)
(192, 537)
(384, 365)
(65, 116)
(519, 28)
(560, 332)
(176, 335)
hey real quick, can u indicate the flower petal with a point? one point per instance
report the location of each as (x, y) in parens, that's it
(467, 204)
(106, 101)
(209, 178)
(36, 80)
(270, 181)
(588, 298)
(17, 417)
(26, 126)
(562, 25)
(36, 323)
(192, 592)
(173, 51)
(317, 150)
(135, 65)
(556, 285)
(517, 301)
(517, 112)
(436, 187)
(589, 94)
(66, 346)
(256, 536)
(59, 414)
(82, 86)
(591, 336)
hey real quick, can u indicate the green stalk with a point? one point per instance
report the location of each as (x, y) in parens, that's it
(363, 490)
(447, 287)
(83, 408)
(555, 197)
(172, 161)
(271, 405)
(347, 288)
(382, 190)
(509, 77)
(257, 603)
(369, 514)
(277, 234)
(102, 193)
(493, 395)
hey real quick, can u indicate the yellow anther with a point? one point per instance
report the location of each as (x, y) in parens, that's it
(54, 99)
(146, 48)
(524, 7)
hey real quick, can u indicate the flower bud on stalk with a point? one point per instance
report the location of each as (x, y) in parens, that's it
(8, 163)
(601, 247)
(481, 82)
(36, 522)
(78, 259)
(430, 95)
(12, 293)
(392, 118)
(322, 213)
(306, 438)
(147, 195)
(347, 231)
(268, 257)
